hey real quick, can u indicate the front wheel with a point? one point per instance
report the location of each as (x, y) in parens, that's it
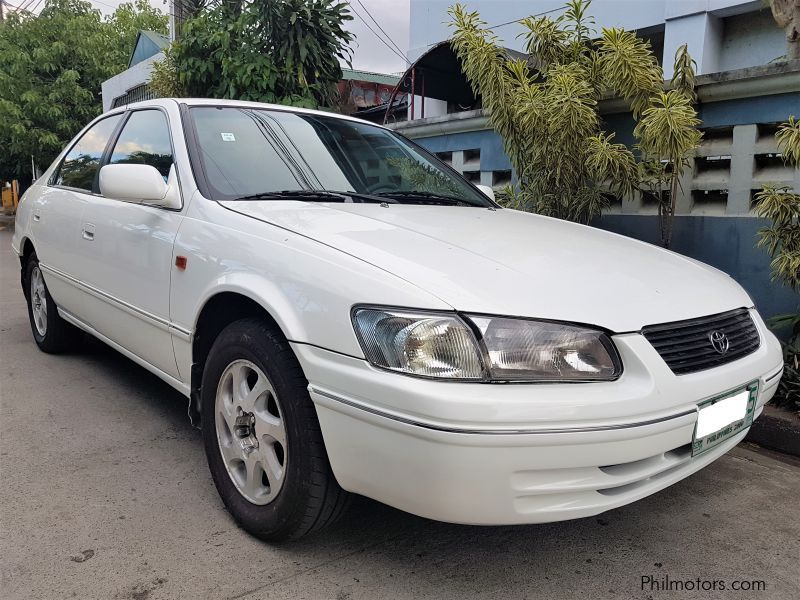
(50, 332)
(262, 436)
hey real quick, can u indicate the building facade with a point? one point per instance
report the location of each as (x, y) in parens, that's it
(722, 35)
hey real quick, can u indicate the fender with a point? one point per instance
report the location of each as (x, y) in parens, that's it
(261, 291)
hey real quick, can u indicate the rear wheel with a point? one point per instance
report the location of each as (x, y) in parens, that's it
(262, 436)
(51, 333)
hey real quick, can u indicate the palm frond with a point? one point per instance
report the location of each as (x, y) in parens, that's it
(683, 78)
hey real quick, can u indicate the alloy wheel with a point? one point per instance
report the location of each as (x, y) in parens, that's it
(251, 432)
(38, 301)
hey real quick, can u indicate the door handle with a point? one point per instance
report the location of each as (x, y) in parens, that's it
(36, 216)
(88, 232)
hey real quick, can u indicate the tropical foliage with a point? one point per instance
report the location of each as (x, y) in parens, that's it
(284, 52)
(782, 240)
(546, 110)
(51, 68)
(668, 135)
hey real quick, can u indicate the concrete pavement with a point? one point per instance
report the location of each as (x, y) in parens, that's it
(105, 493)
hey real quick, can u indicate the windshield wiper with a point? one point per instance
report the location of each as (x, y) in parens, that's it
(315, 196)
(412, 197)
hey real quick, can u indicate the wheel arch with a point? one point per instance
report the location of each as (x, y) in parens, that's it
(26, 248)
(219, 310)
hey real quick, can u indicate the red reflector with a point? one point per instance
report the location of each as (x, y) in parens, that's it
(180, 262)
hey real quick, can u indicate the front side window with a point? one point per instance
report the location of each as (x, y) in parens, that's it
(81, 164)
(145, 141)
(247, 152)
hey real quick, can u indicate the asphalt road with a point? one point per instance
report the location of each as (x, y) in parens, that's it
(104, 493)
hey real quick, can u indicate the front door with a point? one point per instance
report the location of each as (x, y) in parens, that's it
(131, 260)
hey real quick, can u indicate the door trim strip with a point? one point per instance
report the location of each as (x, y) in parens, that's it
(162, 323)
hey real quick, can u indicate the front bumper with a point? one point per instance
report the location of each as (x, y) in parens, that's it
(494, 454)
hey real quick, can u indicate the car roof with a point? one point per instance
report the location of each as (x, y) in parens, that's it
(162, 102)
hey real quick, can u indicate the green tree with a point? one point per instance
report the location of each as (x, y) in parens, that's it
(782, 241)
(546, 108)
(284, 52)
(51, 68)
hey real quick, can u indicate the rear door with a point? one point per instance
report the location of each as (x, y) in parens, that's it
(57, 211)
(129, 259)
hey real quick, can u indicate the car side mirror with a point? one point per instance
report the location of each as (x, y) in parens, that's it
(487, 191)
(140, 184)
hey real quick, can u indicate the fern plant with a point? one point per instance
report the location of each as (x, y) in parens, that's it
(546, 108)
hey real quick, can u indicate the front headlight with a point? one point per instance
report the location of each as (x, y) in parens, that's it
(527, 350)
(447, 346)
(428, 345)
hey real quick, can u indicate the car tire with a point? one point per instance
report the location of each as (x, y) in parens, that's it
(262, 437)
(51, 333)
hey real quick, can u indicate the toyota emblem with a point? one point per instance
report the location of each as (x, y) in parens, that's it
(719, 341)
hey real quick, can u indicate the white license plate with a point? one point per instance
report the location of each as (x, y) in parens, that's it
(720, 418)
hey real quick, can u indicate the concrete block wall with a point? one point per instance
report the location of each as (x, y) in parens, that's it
(731, 165)
(468, 163)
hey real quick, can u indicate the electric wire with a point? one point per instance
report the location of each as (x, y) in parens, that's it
(24, 5)
(541, 14)
(369, 14)
(379, 38)
(106, 4)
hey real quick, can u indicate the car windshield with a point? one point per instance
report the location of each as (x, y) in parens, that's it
(264, 154)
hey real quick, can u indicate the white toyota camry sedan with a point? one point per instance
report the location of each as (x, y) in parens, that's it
(347, 314)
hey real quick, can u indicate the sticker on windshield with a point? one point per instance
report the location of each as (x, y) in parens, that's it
(228, 137)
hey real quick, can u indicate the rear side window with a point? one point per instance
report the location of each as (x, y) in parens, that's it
(81, 164)
(145, 141)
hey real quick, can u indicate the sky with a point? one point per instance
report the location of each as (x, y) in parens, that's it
(371, 48)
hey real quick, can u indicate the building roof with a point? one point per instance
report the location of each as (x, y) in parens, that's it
(148, 43)
(370, 76)
(437, 74)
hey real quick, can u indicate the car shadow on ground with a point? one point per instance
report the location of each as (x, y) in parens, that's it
(126, 373)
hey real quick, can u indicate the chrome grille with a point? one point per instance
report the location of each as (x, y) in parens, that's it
(686, 346)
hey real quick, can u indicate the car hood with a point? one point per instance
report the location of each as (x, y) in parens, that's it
(514, 263)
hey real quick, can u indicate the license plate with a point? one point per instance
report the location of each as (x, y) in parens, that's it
(720, 418)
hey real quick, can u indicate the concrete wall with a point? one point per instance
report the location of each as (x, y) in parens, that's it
(752, 40)
(433, 107)
(725, 243)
